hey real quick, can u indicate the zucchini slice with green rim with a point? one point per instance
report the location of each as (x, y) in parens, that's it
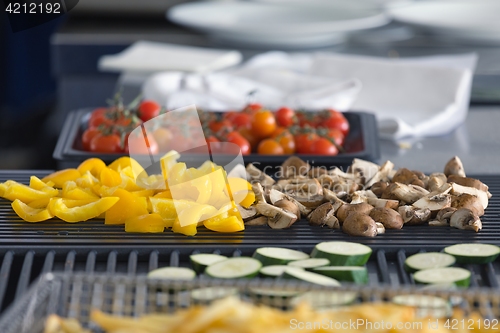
(172, 273)
(234, 268)
(356, 274)
(203, 260)
(420, 261)
(320, 300)
(310, 263)
(278, 255)
(208, 294)
(473, 253)
(303, 275)
(273, 270)
(457, 275)
(342, 253)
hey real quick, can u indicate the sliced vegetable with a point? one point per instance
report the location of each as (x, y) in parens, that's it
(148, 223)
(30, 214)
(342, 253)
(428, 260)
(356, 274)
(300, 274)
(456, 275)
(127, 207)
(209, 294)
(234, 268)
(325, 300)
(172, 273)
(273, 270)
(80, 213)
(202, 260)
(62, 176)
(473, 253)
(278, 256)
(310, 263)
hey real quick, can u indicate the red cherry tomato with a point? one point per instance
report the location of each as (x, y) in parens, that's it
(250, 137)
(335, 119)
(106, 144)
(88, 135)
(99, 117)
(238, 139)
(241, 120)
(304, 141)
(148, 110)
(336, 135)
(252, 108)
(218, 126)
(270, 147)
(323, 146)
(285, 117)
(307, 119)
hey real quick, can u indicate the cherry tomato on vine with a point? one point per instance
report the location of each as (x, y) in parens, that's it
(263, 124)
(241, 120)
(148, 110)
(304, 141)
(238, 139)
(99, 117)
(88, 135)
(285, 139)
(270, 147)
(323, 146)
(252, 108)
(218, 126)
(336, 135)
(285, 117)
(137, 144)
(335, 119)
(250, 137)
(307, 119)
(106, 144)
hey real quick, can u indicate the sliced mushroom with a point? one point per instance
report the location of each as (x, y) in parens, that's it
(414, 216)
(362, 196)
(422, 177)
(288, 206)
(405, 176)
(380, 228)
(337, 184)
(278, 218)
(345, 210)
(247, 214)
(309, 201)
(259, 192)
(388, 217)
(434, 202)
(406, 193)
(365, 170)
(436, 180)
(376, 202)
(454, 167)
(466, 200)
(316, 172)
(294, 166)
(359, 224)
(334, 200)
(379, 187)
(301, 187)
(381, 175)
(437, 223)
(261, 220)
(444, 214)
(324, 215)
(465, 218)
(457, 189)
(255, 175)
(469, 182)
(275, 195)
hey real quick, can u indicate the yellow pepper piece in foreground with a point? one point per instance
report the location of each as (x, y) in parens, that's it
(30, 214)
(71, 191)
(128, 206)
(110, 177)
(26, 194)
(81, 213)
(168, 208)
(94, 165)
(37, 184)
(125, 161)
(62, 176)
(189, 230)
(195, 213)
(145, 223)
(220, 223)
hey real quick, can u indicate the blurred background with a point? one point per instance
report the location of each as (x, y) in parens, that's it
(52, 69)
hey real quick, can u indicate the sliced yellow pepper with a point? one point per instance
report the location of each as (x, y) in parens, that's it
(40, 203)
(195, 213)
(110, 177)
(87, 180)
(93, 165)
(241, 191)
(168, 208)
(163, 194)
(3, 187)
(37, 184)
(81, 213)
(26, 194)
(126, 161)
(188, 230)
(220, 223)
(30, 214)
(128, 206)
(145, 223)
(244, 198)
(62, 176)
(71, 191)
(143, 193)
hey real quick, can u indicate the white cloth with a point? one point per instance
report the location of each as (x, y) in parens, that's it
(410, 97)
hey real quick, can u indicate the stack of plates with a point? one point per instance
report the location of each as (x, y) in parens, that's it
(311, 24)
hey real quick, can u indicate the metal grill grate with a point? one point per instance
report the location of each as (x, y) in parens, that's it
(74, 296)
(14, 231)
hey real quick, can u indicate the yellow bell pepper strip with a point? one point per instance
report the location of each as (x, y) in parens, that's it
(110, 177)
(3, 187)
(81, 213)
(244, 198)
(168, 208)
(143, 193)
(71, 203)
(151, 223)
(128, 206)
(188, 230)
(26, 194)
(37, 184)
(241, 191)
(195, 213)
(220, 223)
(163, 195)
(62, 176)
(71, 191)
(126, 161)
(40, 203)
(93, 165)
(87, 180)
(30, 214)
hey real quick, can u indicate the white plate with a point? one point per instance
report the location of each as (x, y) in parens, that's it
(265, 24)
(471, 20)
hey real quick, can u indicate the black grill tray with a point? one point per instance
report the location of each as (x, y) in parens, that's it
(55, 233)
(361, 142)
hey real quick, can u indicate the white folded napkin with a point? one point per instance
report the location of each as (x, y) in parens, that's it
(150, 57)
